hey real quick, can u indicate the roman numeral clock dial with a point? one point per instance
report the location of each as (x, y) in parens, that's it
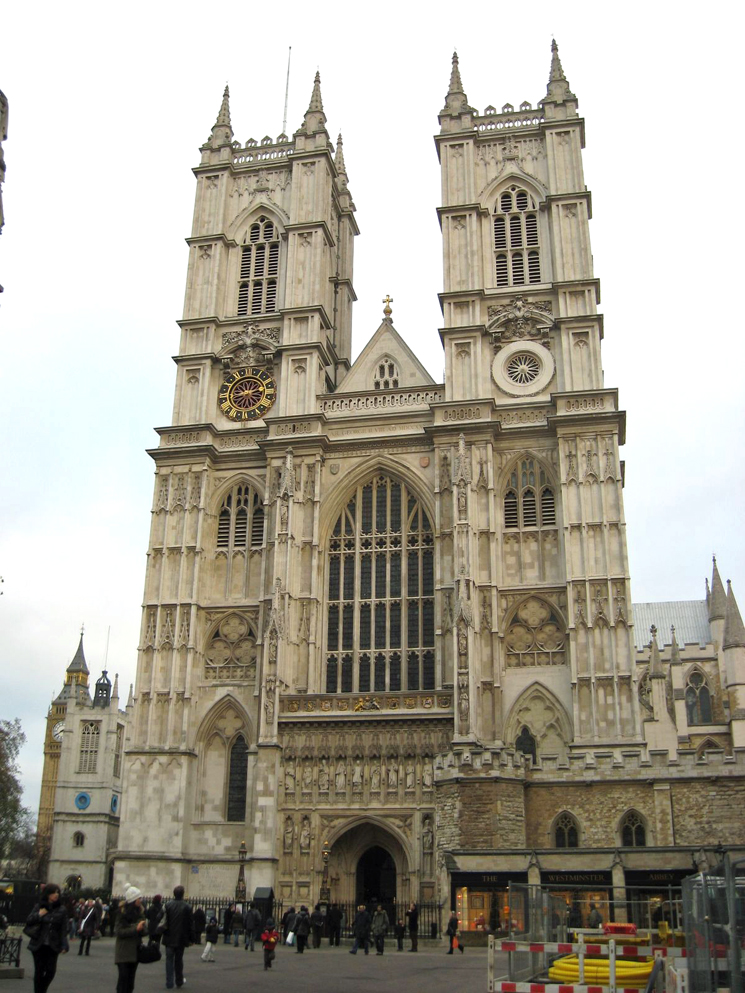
(247, 394)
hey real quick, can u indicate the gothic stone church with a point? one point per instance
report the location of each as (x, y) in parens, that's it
(391, 618)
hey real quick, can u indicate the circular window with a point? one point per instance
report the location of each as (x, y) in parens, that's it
(523, 368)
(83, 801)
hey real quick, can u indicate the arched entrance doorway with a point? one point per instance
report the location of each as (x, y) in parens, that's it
(368, 861)
(376, 877)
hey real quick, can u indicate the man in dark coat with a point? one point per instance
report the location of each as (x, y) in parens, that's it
(154, 916)
(316, 922)
(361, 929)
(413, 920)
(302, 929)
(178, 934)
(252, 924)
(334, 919)
(200, 922)
(226, 923)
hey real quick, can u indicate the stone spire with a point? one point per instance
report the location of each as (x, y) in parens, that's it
(558, 91)
(222, 132)
(115, 691)
(456, 101)
(674, 649)
(339, 160)
(315, 119)
(734, 632)
(78, 663)
(717, 596)
(655, 662)
(130, 697)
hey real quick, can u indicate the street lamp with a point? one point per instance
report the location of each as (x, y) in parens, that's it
(325, 889)
(240, 889)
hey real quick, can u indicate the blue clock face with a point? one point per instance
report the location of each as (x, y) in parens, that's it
(114, 803)
(83, 801)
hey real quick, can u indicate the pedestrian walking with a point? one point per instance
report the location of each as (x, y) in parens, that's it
(226, 923)
(211, 936)
(288, 923)
(302, 929)
(400, 931)
(154, 916)
(252, 925)
(413, 919)
(334, 919)
(130, 927)
(178, 933)
(269, 939)
(452, 932)
(596, 918)
(237, 925)
(200, 922)
(380, 925)
(88, 927)
(46, 928)
(317, 920)
(361, 930)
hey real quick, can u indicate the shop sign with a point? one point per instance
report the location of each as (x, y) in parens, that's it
(576, 878)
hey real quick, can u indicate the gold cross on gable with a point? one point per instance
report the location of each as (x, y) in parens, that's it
(388, 300)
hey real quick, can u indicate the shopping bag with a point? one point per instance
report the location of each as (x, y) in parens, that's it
(455, 941)
(290, 938)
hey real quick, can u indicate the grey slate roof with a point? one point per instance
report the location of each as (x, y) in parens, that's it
(689, 617)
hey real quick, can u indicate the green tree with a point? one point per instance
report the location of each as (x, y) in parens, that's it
(14, 817)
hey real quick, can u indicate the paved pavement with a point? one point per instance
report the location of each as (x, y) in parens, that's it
(325, 970)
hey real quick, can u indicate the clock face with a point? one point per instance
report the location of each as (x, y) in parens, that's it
(247, 394)
(57, 730)
(83, 801)
(114, 803)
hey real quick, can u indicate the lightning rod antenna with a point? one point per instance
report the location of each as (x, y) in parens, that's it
(106, 656)
(287, 90)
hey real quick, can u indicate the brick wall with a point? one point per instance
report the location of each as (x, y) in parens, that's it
(488, 814)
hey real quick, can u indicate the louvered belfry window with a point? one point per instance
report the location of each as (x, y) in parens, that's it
(380, 626)
(529, 500)
(90, 738)
(517, 258)
(240, 523)
(257, 289)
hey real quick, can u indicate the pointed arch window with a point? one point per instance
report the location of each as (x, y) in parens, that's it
(90, 737)
(240, 522)
(515, 231)
(633, 831)
(525, 743)
(78, 839)
(566, 831)
(529, 500)
(386, 375)
(698, 699)
(259, 269)
(237, 780)
(535, 636)
(380, 627)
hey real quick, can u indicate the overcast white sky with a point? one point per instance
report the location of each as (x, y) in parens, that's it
(108, 106)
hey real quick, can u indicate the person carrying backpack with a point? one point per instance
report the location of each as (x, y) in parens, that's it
(252, 925)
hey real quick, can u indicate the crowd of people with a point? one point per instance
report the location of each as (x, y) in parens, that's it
(173, 925)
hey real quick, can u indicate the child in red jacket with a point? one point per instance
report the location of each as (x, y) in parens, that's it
(269, 939)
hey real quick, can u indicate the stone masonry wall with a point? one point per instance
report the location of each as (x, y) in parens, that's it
(598, 808)
(707, 812)
(489, 814)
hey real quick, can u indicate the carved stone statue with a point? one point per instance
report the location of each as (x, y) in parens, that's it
(463, 704)
(323, 777)
(307, 777)
(427, 834)
(357, 776)
(341, 778)
(289, 834)
(427, 775)
(410, 776)
(305, 835)
(375, 778)
(392, 777)
(290, 778)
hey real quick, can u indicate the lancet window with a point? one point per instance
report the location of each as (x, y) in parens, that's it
(566, 831)
(698, 699)
(241, 519)
(633, 831)
(516, 251)
(237, 780)
(386, 375)
(525, 743)
(257, 287)
(90, 738)
(381, 621)
(529, 501)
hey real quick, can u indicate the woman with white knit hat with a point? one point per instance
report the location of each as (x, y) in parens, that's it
(130, 926)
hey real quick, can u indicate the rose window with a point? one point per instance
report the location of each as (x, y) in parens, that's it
(536, 636)
(231, 653)
(523, 368)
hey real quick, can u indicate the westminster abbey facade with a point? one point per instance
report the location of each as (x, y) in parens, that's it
(387, 620)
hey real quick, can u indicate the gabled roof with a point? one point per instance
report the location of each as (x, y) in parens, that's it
(385, 343)
(689, 618)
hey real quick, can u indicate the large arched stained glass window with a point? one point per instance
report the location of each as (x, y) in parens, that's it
(381, 608)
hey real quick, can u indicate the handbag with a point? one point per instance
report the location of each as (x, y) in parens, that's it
(33, 931)
(290, 938)
(148, 953)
